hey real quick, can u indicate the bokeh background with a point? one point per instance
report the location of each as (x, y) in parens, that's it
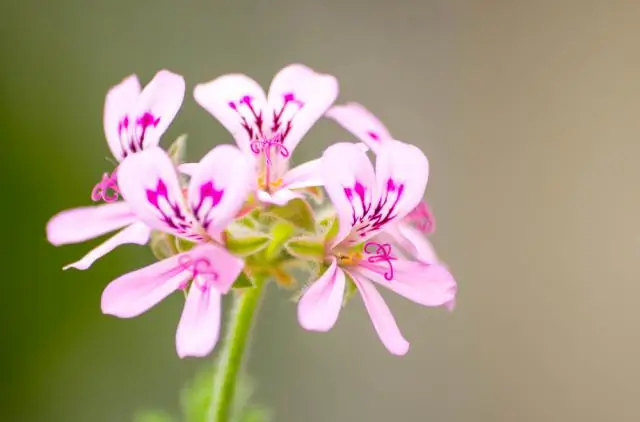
(530, 114)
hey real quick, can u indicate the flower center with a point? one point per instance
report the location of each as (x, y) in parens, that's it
(349, 258)
(203, 275)
(274, 184)
(380, 252)
(107, 189)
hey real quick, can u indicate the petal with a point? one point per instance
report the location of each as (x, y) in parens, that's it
(160, 100)
(137, 233)
(80, 224)
(304, 176)
(414, 242)
(381, 317)
(136, 292)
(213, 259)
(320, 304)
(402, 171)
(119, 102)
(280, 197)
(361, 123)
(149, 183)
(220, 186)
(350, 183)
(239, 103)
(425, 284)
(199, 326)
(187, 168)
(298, 97)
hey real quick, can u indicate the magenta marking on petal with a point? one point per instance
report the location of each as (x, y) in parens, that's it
(201, 270)
(380, 252)
(171, 213)
(233, 106)
(107, 189)
(370, 219)
(207, 190)
(289, 98)
(373, 135)
(422, 218)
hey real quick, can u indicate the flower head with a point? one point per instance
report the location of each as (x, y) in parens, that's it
(134, 120)
(367, 203)
(216, 192)
(268, 127)
(408, 233)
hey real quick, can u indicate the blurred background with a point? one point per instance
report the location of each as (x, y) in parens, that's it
(530, 114)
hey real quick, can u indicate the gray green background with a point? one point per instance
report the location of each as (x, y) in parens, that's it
(530, 114)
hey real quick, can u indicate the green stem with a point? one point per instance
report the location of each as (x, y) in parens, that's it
(230, 360)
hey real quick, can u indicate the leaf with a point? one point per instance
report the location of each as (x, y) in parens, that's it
(242, 282)
(197, 395)
(246, 245)
(178, 150)
(153, 416)
(162, 245)
(298, 212)
(307, 248)
(281, 232)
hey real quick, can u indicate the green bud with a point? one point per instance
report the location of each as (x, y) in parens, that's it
(247, 243)
(178, 149)
(280, 233)
(306, 248)
(332, 228)
(183, 245)
(162, 245)
(297, 212)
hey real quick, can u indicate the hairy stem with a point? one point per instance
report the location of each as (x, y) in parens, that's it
(229, 365)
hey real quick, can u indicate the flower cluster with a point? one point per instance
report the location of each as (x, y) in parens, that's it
(243, 214)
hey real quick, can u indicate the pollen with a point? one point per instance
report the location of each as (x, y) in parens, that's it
(351, 258)
(274, 184)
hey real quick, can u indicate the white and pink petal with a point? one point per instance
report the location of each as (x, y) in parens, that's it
(361, 123)
(80, 224)
(320, 304)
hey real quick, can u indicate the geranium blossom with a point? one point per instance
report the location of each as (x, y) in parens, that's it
(268, 127)
(367, 203)
(409, 233)
(134, 120)
(217, 190)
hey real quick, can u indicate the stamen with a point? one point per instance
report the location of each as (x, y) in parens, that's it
(107, 189)
(380, 252)
(264, 145)
(201, 269)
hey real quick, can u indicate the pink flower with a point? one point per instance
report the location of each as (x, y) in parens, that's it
(134, 120)
(268, 127)
(217, 190)
(409, 233)
(368, 202)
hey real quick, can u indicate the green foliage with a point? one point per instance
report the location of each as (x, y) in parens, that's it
(297, 212)
(281, 232)
(306, 248)
(246, 242)
(196, 400)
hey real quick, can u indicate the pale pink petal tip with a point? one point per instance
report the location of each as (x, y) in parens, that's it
(320, 304)
(199, 325)
(450, 306)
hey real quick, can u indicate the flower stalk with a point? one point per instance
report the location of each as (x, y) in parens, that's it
(229, 366)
